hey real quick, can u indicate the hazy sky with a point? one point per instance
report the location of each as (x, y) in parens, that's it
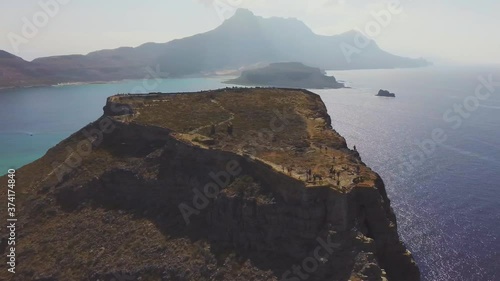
(457, 30)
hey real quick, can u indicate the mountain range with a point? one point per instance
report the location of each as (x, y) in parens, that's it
(242, 40)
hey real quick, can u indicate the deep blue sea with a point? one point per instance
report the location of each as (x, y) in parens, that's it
(446, 196)
(32, 120)
(437, 146)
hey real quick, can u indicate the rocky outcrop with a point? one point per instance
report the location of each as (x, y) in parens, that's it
(150, 203)
(385, 93)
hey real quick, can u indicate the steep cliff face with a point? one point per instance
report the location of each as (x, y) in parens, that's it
(165, 193)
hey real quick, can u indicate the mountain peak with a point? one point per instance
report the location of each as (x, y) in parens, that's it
(242, 12)
(242, 16)
(246, 19)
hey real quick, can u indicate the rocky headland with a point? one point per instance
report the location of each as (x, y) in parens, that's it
(233, 184)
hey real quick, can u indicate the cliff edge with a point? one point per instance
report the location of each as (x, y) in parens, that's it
(233, 184)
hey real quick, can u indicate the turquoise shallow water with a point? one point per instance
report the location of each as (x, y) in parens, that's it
(448, 206)
(35, 119)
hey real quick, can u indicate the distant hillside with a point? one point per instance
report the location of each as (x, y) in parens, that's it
(287, 75)
(14, 71)
(244, 39)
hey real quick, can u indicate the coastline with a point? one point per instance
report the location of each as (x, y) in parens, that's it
(347, 105)
(229, 82)
(224, 75)
(80, 83)
(60, 84)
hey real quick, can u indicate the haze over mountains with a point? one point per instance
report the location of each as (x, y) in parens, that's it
(244, 39)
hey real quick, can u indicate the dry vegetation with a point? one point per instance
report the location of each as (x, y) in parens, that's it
(305, 140)
(58, 234)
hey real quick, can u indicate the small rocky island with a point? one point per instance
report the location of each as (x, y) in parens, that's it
(229, 185)
(287, 75)
(385, 93)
